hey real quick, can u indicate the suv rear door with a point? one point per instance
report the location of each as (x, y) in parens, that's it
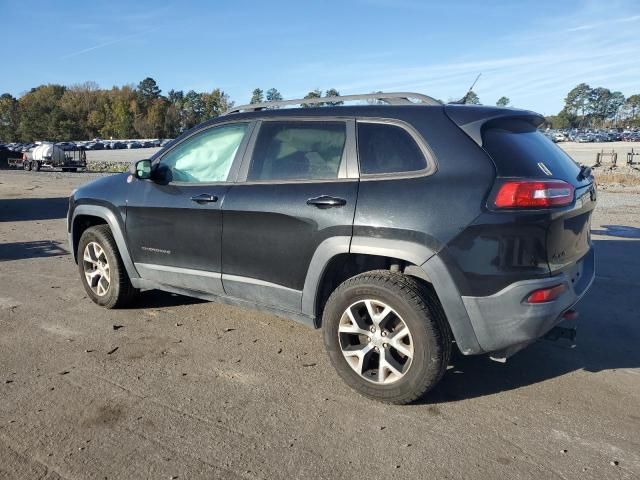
(297, 187)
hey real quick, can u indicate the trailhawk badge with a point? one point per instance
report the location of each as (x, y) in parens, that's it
(156, 250)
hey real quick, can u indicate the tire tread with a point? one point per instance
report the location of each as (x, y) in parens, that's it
(125, 292)
(421, 298)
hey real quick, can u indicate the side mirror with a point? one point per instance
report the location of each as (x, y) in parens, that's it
(141, 169)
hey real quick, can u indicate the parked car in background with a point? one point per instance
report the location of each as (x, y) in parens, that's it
(66, 146)
(614, 136)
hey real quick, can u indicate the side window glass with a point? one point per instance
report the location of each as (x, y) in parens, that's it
(205, 157)
(384, 148)
(298, 150)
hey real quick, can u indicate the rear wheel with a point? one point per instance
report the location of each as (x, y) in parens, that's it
(103, 274)
(36, 166)
(387, 336)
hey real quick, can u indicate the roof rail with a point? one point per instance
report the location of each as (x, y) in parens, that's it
(395, 98)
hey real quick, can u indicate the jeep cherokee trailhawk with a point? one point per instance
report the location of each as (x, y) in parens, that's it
(398, 228)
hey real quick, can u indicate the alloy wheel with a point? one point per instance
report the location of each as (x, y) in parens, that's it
(96, 268)
(375, 341)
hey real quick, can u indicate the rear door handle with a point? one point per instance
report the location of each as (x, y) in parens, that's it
(204, 198)
(325, 201)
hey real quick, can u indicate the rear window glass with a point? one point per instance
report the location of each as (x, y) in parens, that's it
(306, 150)
(519, 150)
(384, 148)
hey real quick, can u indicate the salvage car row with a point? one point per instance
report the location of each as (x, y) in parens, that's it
(591, 135)
(96, 144)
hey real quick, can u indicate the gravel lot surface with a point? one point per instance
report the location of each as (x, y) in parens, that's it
(585, 153)
(178, 388)
(119, 156)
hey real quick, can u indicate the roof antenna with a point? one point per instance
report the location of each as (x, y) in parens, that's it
(463, 100)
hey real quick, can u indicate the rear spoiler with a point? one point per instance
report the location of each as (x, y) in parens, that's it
(472, 118)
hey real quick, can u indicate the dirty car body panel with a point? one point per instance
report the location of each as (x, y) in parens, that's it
(261, 244)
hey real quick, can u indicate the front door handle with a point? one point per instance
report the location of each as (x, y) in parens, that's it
(325, 201)
(204, 198)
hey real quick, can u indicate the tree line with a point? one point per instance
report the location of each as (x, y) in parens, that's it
(84, 111)
(57, 112)
(587, 107)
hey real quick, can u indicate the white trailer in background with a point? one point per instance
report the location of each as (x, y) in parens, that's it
(54, 156)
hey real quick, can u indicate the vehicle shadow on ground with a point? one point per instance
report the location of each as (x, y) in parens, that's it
(159, 299)
(35, 249)
(26, 209)
(621, 231)
(608, 336)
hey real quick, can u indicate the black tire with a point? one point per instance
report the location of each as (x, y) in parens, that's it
(26, 164)
(421, 312)
(120, 291)
(36, 166)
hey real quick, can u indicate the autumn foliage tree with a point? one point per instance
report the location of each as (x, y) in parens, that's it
(84, 111)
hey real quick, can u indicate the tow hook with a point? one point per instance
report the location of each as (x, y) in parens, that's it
(566, 333)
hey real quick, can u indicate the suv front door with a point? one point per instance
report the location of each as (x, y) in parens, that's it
(174, 221)
(297, 187)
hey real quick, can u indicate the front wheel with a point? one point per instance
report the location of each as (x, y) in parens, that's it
(387, 336)
(103, 274)
(26, 164)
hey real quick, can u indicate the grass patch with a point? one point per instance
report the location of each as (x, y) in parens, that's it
(625, 179)
(108, 167)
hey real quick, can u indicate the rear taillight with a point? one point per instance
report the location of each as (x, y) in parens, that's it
(533, 194)
(546, 294)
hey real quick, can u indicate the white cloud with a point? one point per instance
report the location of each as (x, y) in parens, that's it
(604, 24)
(109, 43)
(544, 64)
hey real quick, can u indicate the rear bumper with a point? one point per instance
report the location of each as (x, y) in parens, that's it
(503, 321)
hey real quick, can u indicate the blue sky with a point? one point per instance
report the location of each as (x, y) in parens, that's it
(531, 51)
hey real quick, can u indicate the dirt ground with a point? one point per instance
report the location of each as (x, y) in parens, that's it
(585, 153)
(178, 388)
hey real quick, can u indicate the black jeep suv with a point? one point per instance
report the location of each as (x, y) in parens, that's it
(398, 229)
